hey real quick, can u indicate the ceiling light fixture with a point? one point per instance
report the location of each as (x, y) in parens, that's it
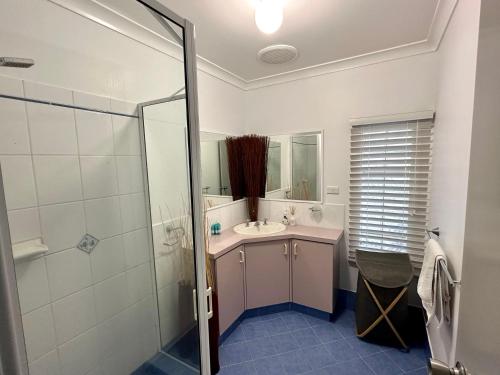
(269, 15)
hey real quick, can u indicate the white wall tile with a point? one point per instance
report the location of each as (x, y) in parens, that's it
(149, 341)
(74, 315)
(63, 225)
(133, 208)
(13, 127)
(54, 94)
(83, 99)
(58, 179)
(96, 371)
(129, 174)
(120, 361)
(141, 315)
(24, 225)
(103, 217)
(79, 356)
(139, 283)
(52, 129)
(126, 135)
(39, 332)
(95, 133)
(46, 365)
(111, 297)
(136, 245)
(32, 284)
(69, 272)
(107, 259)
(19, 185)
(167, 269)
(112, 332)
(120, 106)
(98, 176)
(11, 86)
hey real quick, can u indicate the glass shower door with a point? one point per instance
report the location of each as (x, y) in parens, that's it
(169, 181)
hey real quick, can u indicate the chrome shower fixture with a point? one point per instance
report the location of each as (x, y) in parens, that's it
(16, 62)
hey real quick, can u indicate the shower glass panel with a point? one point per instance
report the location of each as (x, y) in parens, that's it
(94, 296)
(305, 167)
(167, 156)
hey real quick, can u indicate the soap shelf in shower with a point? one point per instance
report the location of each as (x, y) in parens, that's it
(29, 250)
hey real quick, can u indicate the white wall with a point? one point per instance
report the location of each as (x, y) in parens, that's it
(329, 101)
(66, 173)
(451, 151)
(478, 343)
(107, 63)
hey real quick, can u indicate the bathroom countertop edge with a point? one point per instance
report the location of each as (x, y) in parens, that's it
(229, 239)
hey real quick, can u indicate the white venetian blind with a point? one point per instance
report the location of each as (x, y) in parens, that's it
(389, 185)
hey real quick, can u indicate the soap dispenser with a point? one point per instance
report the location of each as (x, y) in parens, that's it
(285, 218)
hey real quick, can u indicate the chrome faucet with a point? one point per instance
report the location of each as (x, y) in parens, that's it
(248, 223)
(265, 220)
(257, 223)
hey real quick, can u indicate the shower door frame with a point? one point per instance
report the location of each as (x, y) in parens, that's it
(193, 132)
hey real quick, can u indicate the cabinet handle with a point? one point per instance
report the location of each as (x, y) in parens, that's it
(242, 256)
(295, 251)
(285, 249)
(210, 303)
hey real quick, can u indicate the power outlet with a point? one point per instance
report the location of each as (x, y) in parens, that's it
(332, 190)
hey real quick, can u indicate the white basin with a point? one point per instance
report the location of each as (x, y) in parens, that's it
(262, 229)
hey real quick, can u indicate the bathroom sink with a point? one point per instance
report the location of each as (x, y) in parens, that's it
(262, 229)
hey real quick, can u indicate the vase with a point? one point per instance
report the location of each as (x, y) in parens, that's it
(253, 208)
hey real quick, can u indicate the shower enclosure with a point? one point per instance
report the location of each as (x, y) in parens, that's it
(101, 236)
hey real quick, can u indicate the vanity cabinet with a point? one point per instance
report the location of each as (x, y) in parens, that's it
(267, 267)
(230, 278)
(271, 272)
(313, 274)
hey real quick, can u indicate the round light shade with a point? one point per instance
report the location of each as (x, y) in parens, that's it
(269, 15)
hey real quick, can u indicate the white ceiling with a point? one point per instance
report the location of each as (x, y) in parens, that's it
(324, 31)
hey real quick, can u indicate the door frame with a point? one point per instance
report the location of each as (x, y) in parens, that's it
(13, 356)
(194, 161)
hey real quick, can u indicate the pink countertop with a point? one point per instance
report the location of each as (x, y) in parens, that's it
(229, 239)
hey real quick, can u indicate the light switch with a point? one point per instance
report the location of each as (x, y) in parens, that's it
(332, 190)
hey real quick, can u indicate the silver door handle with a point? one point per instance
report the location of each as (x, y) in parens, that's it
(195, 304)
(295, 251)
(210, 303)
(242, 256)
(285, 249)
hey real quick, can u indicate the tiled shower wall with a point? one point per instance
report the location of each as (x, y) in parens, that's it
(69, 172)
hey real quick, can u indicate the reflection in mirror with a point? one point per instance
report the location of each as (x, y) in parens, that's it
(294, 167)
(214, 169)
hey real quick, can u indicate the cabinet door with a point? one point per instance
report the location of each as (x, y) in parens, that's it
(267, 273)
(229, 270)
(313, 274)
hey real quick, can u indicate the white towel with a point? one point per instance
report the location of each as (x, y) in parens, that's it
(428, 282)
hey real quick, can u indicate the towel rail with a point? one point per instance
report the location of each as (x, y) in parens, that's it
(444, 267)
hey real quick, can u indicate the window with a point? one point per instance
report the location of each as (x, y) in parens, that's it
(389, 184)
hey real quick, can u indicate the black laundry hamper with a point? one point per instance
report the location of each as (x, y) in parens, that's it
(382, 297)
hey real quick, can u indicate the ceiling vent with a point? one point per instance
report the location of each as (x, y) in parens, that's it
(278, 54)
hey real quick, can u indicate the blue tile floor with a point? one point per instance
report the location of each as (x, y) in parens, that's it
(290, 343)
(162, 364)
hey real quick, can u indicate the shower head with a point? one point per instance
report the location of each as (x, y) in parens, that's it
(16, 62)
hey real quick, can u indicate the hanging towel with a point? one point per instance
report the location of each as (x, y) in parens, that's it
(429, 283)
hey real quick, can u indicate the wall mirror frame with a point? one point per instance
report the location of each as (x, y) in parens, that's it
(296, 182)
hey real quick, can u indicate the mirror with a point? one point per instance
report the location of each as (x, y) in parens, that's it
(294, 167)
(214, 169)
